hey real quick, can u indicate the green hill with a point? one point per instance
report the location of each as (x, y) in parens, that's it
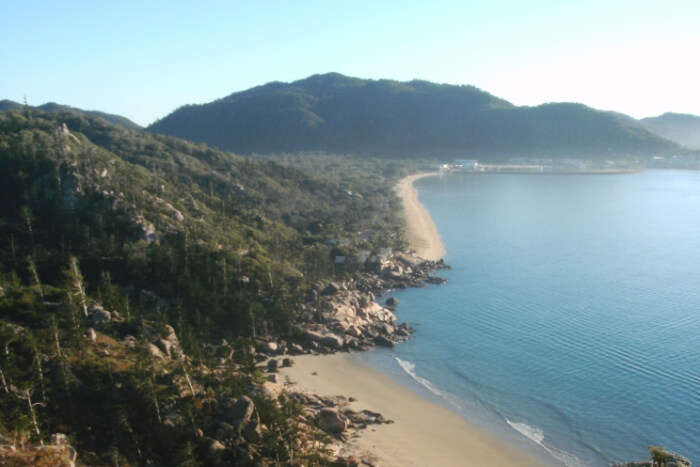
(340, 114)
(684, 129)
(53, 107)
(137, 271)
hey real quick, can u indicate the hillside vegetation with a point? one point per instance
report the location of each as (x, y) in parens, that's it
(137, 270)
(53, 107)
(340, 114)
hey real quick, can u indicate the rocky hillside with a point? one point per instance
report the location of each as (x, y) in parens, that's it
(340, 114)
(145, 280)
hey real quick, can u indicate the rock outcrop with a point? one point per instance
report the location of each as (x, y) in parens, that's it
(346, 315)
(332, 421)
(58, 452)
(659, 457)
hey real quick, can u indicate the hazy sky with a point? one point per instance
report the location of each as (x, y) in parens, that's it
(142, 59)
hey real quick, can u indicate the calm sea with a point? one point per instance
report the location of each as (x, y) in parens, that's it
(570, 325)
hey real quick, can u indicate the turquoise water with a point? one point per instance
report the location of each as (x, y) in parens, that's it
(570, 325)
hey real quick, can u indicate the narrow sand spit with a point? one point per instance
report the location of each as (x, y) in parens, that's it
(423, 236)
(423, 433)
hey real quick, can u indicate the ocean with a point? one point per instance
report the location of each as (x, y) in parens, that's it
(570, 322)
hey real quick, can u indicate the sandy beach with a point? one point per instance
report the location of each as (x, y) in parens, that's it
(423, 236)
(423, 433)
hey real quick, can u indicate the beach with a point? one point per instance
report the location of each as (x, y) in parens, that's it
(423, 236)
(423, 432)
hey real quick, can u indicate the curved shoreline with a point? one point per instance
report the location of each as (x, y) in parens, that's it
(424, 432)
(423, 236)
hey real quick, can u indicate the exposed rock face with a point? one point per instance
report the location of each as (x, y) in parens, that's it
(325, 338)
(392, 302)
(660, 457)
(148, 230)
(272, 365)
(332, 421)
(383, 341)
(98, 316)
(242, 413)
(331, 289)
(164, 344)
(58, 453)
(346, 316)
(156, 352)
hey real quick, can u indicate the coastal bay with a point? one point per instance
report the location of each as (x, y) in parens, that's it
(569, 318)
(423, 432)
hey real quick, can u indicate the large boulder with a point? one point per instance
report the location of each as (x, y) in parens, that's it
(242, 412)
(331, 289)
(252, 432)
(272, 365)
(169, 344)
(98, 316)
(156, 352)
(270, 348)
(383, 341)
(332, 421)
(328, 339)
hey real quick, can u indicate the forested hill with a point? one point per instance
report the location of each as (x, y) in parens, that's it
(53, 107)
(136, 271)
(681, 128)
(340, 114)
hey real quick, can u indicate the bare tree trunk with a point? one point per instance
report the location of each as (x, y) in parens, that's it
(4, 382)
(40, 375)
(78, 284)
(32, 414)
(57, 341)
(187, 377)
(35, 276)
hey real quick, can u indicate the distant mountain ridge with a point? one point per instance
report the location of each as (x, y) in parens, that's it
(681, 128)
(336, 113)
(53, 107)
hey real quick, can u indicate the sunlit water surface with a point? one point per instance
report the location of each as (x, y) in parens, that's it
(570, 325)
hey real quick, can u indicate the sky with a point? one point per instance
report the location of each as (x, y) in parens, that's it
(143, 59)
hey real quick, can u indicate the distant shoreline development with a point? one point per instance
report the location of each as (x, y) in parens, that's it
(544, 166)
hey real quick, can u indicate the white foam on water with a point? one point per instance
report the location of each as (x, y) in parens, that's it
(533, 433)
(410, 369)
(536, 434)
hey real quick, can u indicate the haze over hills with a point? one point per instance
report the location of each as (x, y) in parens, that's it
(53, 107)
(336, 113)
(681, 128)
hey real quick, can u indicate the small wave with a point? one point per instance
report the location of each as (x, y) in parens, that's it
(533, 433)
(536, 434)
(410, 369)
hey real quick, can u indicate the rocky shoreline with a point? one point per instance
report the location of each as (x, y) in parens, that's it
(345, 316)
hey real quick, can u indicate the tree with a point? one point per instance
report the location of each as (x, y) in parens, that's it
(75, 285)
